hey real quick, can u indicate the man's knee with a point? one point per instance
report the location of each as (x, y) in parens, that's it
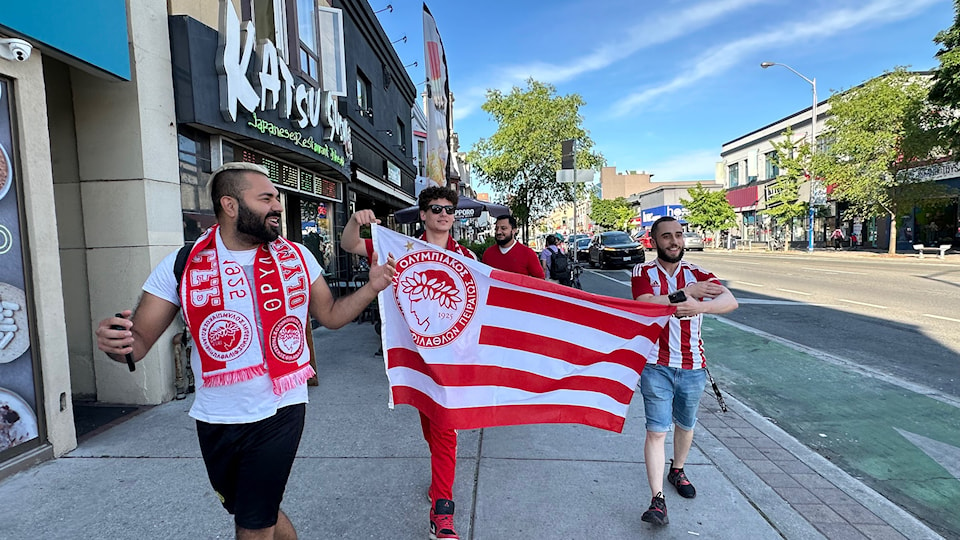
(656, 436)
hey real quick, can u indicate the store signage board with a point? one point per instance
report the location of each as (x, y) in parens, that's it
(18, 388)
(393, 173)
(650, 215)
(304, 106)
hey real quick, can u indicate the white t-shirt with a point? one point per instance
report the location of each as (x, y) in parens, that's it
(243, 402)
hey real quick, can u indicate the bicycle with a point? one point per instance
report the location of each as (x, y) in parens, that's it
(575, 276)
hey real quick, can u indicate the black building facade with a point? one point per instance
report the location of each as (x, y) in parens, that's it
(281, 84)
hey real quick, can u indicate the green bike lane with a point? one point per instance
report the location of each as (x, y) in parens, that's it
(902, 443)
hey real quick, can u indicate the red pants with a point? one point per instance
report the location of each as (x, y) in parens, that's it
(443, 458)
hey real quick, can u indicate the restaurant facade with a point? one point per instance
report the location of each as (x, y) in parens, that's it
(108, 133)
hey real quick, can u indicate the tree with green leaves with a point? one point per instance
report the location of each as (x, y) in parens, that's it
(521, 159)
(878, 132)
(612, 215)
(792, 159)
(709, 211)
(945, 92)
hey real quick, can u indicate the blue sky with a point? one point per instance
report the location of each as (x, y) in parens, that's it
(667, 82)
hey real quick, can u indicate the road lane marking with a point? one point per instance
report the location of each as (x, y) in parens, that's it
(748, 283)
(861, 303)
(946, 455)
(763, 301)
(939, 317)
(831, 271)
(796, 292)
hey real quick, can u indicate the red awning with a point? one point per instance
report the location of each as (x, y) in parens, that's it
(742, 197)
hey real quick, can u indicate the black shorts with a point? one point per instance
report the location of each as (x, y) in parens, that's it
(248, 464)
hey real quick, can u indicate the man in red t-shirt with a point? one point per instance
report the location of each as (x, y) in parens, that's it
(510, 255)
(438, 206)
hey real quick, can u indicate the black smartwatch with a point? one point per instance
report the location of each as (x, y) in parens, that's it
(677, 297)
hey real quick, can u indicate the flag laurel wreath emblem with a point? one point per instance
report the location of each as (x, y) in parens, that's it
(437, 295)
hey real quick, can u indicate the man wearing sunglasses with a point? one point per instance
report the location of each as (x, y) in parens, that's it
(438, 206)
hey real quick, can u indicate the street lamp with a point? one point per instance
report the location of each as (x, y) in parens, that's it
(813, 140)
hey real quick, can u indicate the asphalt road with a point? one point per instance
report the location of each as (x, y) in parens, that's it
(895, 316)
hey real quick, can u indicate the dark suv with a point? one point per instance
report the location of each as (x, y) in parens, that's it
(614, 248)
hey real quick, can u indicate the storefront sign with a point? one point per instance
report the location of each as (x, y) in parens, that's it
(297, 137)
(934, 172)
(393, 173)
(673, 210)
(302, 105)
(18, 388)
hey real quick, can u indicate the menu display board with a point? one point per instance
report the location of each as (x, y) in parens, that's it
(288, 176)
(18, 395)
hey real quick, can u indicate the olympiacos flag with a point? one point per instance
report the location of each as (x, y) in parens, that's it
(437, 113)
(473, 347)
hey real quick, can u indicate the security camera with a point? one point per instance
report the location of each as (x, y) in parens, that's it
(15, 49)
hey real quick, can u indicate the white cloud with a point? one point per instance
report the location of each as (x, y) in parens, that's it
(693, 165)
(661, 29)
(821, 25)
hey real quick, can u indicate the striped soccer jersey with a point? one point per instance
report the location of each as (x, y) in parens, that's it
(680, 344)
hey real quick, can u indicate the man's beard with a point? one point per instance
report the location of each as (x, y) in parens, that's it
(255, 226)
(506, 240)
(662, 255)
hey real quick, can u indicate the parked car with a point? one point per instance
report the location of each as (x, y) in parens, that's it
(581, 250)
(614, 248)
(644, 240)
(574, 238)
(692, 241)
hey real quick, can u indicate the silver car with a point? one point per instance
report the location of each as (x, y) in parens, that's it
(692, 241)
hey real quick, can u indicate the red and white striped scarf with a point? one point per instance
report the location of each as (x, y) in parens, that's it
(221, 308)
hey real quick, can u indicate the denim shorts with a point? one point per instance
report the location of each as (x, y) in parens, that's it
(671, 395)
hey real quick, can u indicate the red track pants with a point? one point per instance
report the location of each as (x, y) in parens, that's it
(443, 458)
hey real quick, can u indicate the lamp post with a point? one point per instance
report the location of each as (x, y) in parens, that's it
(813, 141)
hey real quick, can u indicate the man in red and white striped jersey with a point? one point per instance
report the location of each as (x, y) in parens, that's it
(437, 211)
(674, 378)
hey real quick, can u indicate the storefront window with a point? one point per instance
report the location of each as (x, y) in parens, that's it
(19, 411)
(194, 183)
(316, 224)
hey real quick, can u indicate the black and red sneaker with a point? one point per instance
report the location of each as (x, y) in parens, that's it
(657, 513)
(441, 521)
(679, 479)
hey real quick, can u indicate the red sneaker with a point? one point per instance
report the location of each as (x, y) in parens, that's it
(441, 521)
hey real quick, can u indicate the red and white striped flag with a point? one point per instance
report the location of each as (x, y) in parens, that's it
(473, 347)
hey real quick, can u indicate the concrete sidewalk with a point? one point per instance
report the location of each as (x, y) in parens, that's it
(363, 472)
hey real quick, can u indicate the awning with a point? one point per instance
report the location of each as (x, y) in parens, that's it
(743, 198)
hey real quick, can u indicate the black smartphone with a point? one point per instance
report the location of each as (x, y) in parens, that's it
(677, 297)
(131, 365)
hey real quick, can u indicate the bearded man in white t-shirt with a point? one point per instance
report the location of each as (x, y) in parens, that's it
(246, 294)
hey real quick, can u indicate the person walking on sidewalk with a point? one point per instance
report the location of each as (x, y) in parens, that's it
(246, 294)
(673, 379)
(437, 208)
(556, 271)
(510, 255)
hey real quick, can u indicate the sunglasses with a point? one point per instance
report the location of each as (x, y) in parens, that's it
(436, 209)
